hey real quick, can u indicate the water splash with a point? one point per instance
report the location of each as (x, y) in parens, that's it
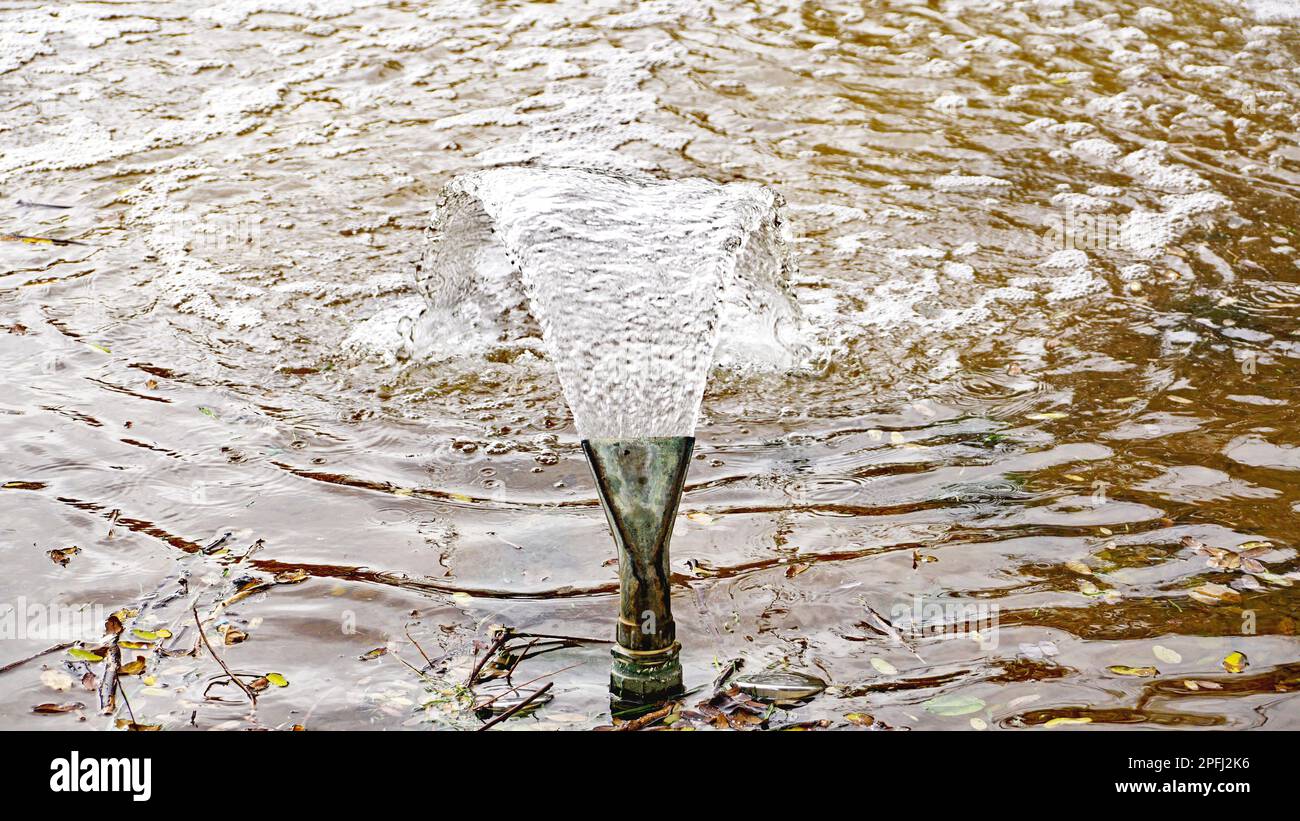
(634, 283)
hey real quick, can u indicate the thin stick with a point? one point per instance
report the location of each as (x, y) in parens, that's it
(478, 666)
(485, 704)
(520, 659)
(521, 705)
(252, 697)
(419, 673)
(20, 662)
(126, 700)
(578, 639)
(427, 660)
(108, 686)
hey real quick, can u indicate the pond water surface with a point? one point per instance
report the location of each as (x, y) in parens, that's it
(1047, 251)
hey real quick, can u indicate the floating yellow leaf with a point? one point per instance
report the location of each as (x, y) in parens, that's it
(84, 655)
(1074, 477)
(700, 517)
(1059, 720)
(1140, 672)
(1167, 655)
(63, 555)
(370, 655)
(461, 497)
(133, 668)
(1079, 567)
(1106, 531)
(860, 719)
(1047, 416)
(1182, 400)
(19, 485)
(1235, 662)
(277, 679)
(896, 438)
(147, 635)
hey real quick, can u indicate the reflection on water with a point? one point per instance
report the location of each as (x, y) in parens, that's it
(1049, 248)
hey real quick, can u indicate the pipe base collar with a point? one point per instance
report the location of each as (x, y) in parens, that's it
(646, 677)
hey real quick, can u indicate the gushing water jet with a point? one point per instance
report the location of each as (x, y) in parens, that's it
(637, 286)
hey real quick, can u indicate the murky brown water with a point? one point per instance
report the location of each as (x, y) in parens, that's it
(1048, 246)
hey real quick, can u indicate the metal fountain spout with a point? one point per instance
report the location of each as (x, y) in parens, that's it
(640, 482)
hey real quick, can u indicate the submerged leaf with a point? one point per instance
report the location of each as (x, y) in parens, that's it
(883, 667)
(56, 680)
(1141, 672)
(54, 709)
(954, 705)
(1211, 593)
(1167, 655)
(131, 726)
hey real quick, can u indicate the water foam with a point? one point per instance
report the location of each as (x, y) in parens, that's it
(633, 282)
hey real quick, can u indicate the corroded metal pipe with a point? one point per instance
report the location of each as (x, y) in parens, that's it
(639, 482)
